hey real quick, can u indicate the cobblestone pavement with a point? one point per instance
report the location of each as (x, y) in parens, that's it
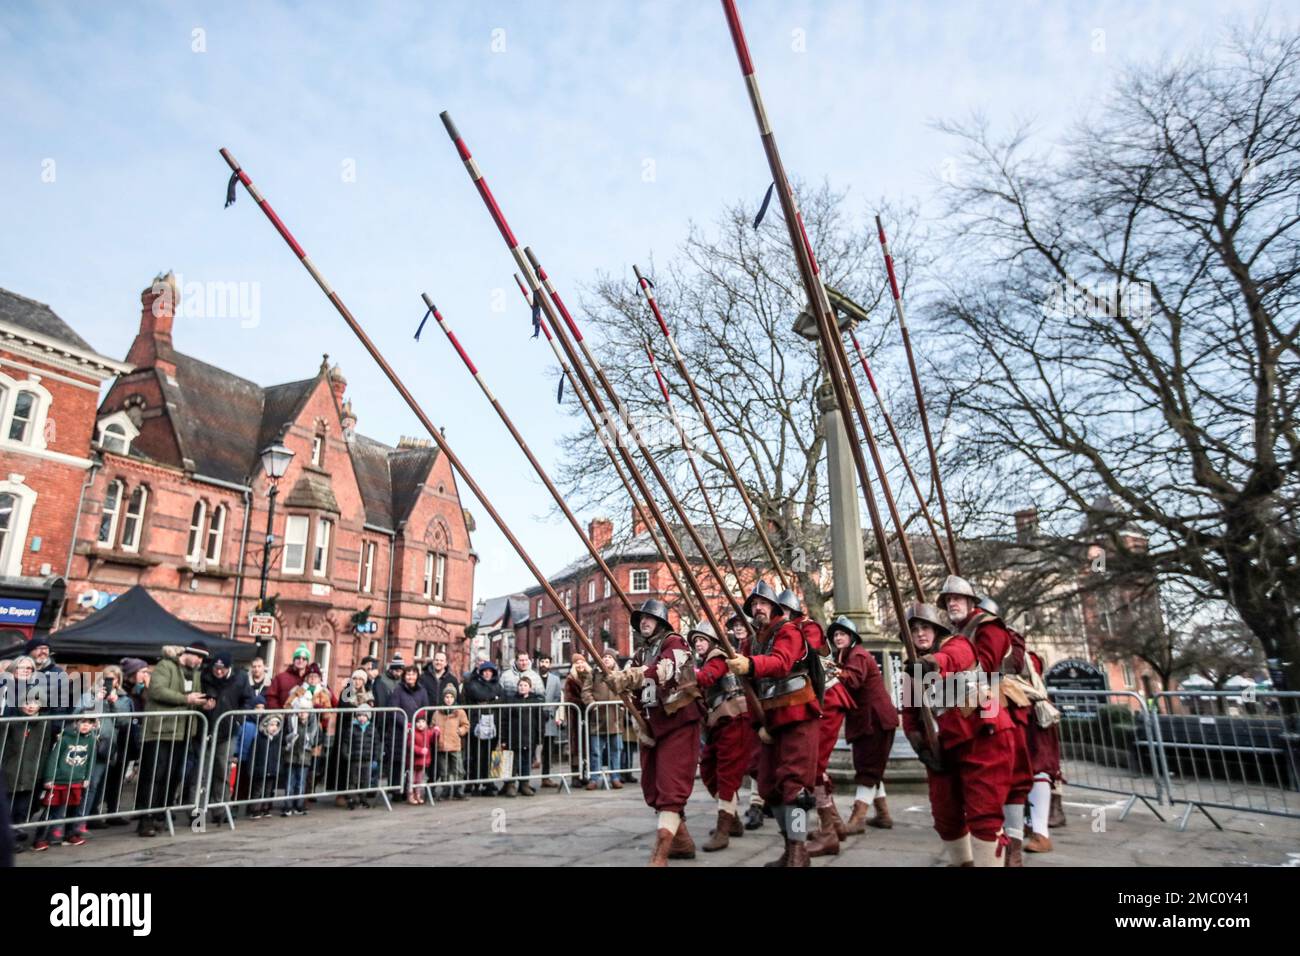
(614, 828)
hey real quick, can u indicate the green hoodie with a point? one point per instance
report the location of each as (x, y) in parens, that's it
(70, 761)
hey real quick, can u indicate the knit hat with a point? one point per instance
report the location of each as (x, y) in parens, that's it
(34, 643)
(223, 658)
(313, 669)
(301, 651)
(449, 689)
(397, 661)
(198, 649)
(360, 673)
(369, 660)
(132, 666)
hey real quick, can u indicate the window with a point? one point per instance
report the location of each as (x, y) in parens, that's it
(607, 587)
(322, 657)
(108, 514)
(640, 582)
(604, 630)
(560, 638)
(266, 651)
(216, 530)
(428, 575)
(295, 544)
(114, 439)
(321, 554)
(419, 651)
(374, 649)
(21, 419)
(591, 590)
(439, 576)
(539, 608)
(134, 521)
(1126, 669)
(366, 580)
(318, 451)
(196, 529)
(8, 507)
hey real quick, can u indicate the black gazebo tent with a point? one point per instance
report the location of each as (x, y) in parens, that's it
(135, 625)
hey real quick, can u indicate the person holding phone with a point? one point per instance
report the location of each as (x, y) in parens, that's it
(113, 705)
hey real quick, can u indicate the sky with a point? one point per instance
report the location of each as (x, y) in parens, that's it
(604, 129)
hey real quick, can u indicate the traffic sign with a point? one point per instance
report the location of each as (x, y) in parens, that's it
(261, 625)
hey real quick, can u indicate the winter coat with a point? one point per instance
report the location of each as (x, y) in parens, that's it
(435, 685)
(166, 692)
(523, 725)
(359, 739)
(383, 689)
(510, 680)
(408, 699)
(114, 723)
(479, 690)
(608, 719)
(268, 750)
(233, 693)
(422, 742)
(302, 737)
(552, 691)
(23, 746)
(452, 726)
(72, 757)
(53, 680)
(278, 693)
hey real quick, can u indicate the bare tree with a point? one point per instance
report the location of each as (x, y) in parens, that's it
(1123, 334)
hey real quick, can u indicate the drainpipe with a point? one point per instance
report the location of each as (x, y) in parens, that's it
(72, 545)
(239, 577)
(388, 602)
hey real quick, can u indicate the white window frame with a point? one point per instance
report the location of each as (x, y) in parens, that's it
(131, 541)
(561, 641)
(539, 607)
(323, 652)
(118, 420)
(215, 537)
(607, 587)
(320, 550)
(366, 573)
(632, 579)
(318, 450)
(11, 560)
(591, 590)
(440, 577)
(115, 511)
(605, 628)
(41, 402)
(428, 576)
(295, 521)
(194, 542)
(375, 647)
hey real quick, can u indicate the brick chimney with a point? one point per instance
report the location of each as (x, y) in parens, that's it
(601, 532)
(638, 526)
(1026, 525)
(153, 343)
(338, 384)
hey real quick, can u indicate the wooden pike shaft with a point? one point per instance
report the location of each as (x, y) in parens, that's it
(613, 458)
(698, 401)
(434, 433)
(955, 563)
(690, 460)
(902, 454)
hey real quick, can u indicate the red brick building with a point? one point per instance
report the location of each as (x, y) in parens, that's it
(177, 502)
(49, 387)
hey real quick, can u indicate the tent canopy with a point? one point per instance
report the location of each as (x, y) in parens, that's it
(135, 625)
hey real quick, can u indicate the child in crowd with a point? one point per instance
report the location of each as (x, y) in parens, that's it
(301, 746)
(67, 775)
(23, 746)
(264, 774)
(423, 740)
(453, 725)
(361, 757)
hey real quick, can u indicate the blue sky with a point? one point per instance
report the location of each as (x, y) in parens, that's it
(603, 127)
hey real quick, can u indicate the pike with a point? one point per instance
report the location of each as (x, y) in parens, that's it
(541, 473)
(836, 360)
(648, 290)
(954, 565)
(690, 459)
(902, 453)
(434, 433)
(539, 283)
(613, 458)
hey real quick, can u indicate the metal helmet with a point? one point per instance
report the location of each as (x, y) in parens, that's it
(989, 606)
(737, 618)
(936, 617)
(790, 601)
(703, 629)
(762, 590)
(953, 584)
(842, 623)
(652, 608)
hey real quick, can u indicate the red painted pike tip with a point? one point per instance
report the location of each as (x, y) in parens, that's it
(738, 36)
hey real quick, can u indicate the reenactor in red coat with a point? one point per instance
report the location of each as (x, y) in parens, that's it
(738, 629)
(869, 727)
(1045, 760)
(779, 662)
(664, 671)
(970, 776)
(728, 736)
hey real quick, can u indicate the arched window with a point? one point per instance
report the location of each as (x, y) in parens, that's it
(108, 514)
(196, 529)
(115, 439)
(8, 507)
(216, 531)
(133, 523)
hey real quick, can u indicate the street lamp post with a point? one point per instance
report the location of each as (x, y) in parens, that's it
(275, 462)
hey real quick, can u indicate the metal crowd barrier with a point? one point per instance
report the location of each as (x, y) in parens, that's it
(266, 759)
(610, 743)
(1234, 750)
(505, 747)
(1110, 743)
(145, 764)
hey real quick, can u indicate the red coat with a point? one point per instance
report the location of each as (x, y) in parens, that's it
(787, 649)
(954, 655)
(874, 709)
(281, 685)
(812, 632)
(660, 721)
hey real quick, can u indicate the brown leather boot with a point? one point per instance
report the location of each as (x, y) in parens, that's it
(1014, 856)
(1038, 843)
(683, 847)
(783, 858)
(836, 821)
(858, 818)
(720, 837)
(659, 855)
(882, 820)
(799, 853)
(737, 827)
(1056, 813)
(825, 842)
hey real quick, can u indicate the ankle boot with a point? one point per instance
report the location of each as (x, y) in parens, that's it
(683, 847)
(1013, 852)
(737, 828)
(659, 855)
(1056, 813)
(1038, 843)
(882, 820)
(825, 842)
(799, 853)
(832, 813)
(783, 858)
(857, 822)
(720, 838)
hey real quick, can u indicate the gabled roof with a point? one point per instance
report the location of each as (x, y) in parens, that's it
(39, 318)
(508, 608)
(217, 418)
(409, 467)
